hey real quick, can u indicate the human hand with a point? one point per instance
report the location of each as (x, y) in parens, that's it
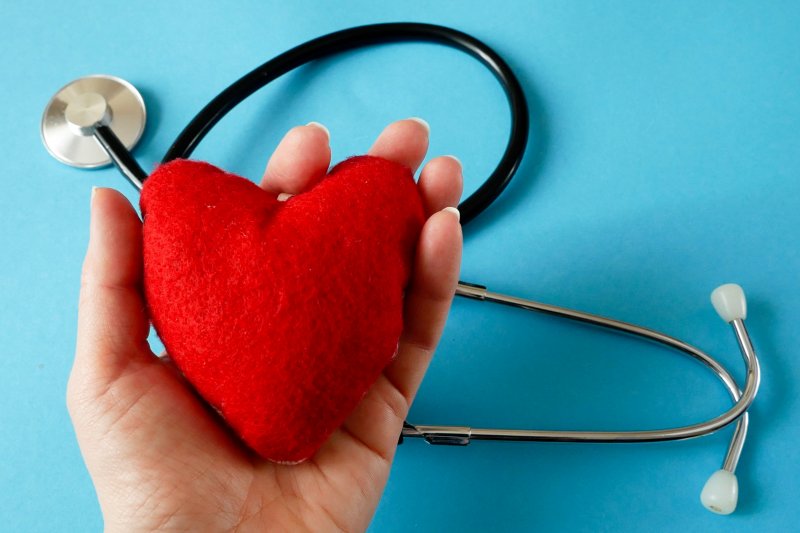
(161, 460)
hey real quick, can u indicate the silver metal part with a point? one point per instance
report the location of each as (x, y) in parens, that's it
(71, 116)
(461, 435)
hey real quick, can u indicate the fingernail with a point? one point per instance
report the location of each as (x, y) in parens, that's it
(422, 122)
(91, 200)
(454, 158)
(282, 197)
(320, 126)
(455, 211)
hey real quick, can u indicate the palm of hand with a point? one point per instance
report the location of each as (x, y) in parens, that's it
(160, 460)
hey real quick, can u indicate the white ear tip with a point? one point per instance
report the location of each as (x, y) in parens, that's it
(729, 301)
(721, 492)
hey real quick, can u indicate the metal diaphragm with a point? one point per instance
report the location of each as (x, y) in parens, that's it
(70, 117)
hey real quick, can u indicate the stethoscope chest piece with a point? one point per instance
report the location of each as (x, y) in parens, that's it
(71, 116)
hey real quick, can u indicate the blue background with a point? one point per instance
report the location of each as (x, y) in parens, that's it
(664, 160)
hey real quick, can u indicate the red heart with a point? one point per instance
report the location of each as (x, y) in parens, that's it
(280, 314)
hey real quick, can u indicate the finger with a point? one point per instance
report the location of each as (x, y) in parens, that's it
(300, 160)
(404, 142)
(112, 321)
(129, 409)
(441, 183)
(374, 426)
(428, 300)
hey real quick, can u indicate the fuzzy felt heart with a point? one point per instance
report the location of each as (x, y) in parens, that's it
(280, 314)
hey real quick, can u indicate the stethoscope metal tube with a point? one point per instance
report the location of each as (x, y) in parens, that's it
(725, 298)
(111, 112)
(461, 435)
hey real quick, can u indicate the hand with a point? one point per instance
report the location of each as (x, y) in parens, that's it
(160, 461)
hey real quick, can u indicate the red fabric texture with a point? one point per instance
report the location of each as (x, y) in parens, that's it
(280, 314)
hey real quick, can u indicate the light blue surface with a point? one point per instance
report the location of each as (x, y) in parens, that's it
(664, 160)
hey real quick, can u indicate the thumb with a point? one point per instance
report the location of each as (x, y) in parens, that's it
(112, 322)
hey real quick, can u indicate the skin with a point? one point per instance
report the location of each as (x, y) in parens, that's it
(160, 460)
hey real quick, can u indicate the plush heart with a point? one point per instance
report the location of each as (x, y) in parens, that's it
(280, 314)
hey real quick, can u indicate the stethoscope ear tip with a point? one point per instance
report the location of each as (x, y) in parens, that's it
(729, 301)
(721, 492)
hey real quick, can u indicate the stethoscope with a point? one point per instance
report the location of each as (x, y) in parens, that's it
(97, 120)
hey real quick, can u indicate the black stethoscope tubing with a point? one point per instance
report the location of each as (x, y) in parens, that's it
(343, 41)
